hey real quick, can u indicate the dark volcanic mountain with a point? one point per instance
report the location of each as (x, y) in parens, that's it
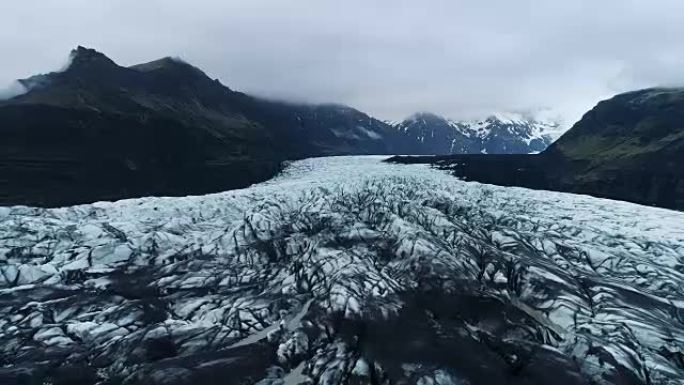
(512, 134)
(630, 147)
(100, 131)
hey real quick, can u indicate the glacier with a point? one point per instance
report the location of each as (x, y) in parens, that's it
(344, 270)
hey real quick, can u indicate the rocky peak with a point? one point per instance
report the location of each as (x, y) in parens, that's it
(87, 58)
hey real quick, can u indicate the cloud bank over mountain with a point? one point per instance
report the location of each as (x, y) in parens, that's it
(461, 59)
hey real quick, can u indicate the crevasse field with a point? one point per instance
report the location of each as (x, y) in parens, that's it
(344, 270)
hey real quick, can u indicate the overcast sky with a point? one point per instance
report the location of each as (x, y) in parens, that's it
(389, 58)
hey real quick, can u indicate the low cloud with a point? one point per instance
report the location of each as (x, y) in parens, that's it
(13, 89)
(462, 59)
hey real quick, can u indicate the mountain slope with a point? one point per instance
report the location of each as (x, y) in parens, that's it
(630, 147)
(98, 131)
(494, 135)
(344, 270)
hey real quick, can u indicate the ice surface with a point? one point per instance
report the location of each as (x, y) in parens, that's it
(299, 278)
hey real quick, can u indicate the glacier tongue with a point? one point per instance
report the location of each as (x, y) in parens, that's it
(344, 270)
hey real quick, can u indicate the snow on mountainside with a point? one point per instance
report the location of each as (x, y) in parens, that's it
(497, 134)
(344, 270)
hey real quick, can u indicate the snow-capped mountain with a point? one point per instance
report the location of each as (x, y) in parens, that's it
(344, 270)
(629, 147)
(496, 134)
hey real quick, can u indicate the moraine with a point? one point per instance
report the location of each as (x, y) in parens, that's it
(344, 270)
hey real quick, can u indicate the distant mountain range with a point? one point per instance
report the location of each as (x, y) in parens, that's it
(630, 147)
(496, 134)
(100, 131)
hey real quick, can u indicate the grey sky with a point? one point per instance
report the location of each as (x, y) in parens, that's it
(462, 59)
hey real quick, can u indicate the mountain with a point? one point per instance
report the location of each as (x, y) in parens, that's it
(100, 131)
(630, 147)
(497, 134)
(327, 275)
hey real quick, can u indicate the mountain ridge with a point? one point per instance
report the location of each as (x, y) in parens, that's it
(494, 134)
